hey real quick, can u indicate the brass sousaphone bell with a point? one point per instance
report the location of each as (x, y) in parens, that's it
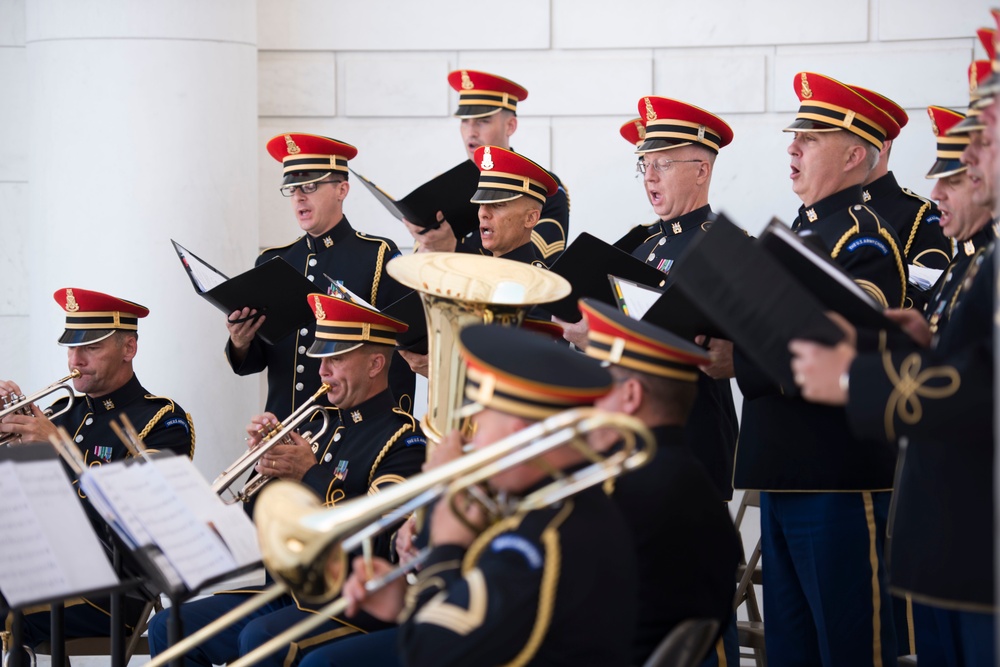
(458, 290)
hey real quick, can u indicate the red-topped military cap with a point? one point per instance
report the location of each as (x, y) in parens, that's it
(616, 338)
(342, 325)
(309, 157)
(633, 131)
(93, 316)
(827, 105)
(949, 148)
(544, 327)
(522, 373)
(979, 72)
(504, 175)
(483, 94)
(989, 86)
(886, 105)
(672, 123)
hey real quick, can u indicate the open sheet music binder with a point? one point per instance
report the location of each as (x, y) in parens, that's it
(449, 193)
(588, 263)
(182, 534)
(49, 552)
(274, 289)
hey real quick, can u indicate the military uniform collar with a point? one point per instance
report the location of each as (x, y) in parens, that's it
(120, 397)
(375, 407)
(340, 231)
(691, 220)
(835, 203)
(979, 240)
(882, 186)
(524, 253)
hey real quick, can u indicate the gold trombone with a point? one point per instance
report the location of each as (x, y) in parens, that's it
(280, 433)
(305, 547)
(21, 405)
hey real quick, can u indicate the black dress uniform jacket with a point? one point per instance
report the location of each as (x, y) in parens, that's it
(712, 427)
(358, 262)
(944, 294)
(917, 222)
(788, 443)
(162, 424)
(685, 541)
(554, 586)
(939, 403)
(549, 235)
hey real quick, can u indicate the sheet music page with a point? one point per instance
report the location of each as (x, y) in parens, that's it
(205, 276)
(48, 548)
(924, 278)
(230, 521)
(634, 299)
(108, 489)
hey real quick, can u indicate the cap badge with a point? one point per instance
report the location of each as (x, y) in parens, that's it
(290, 145)
(467, 81)
(641, 129)
(650, 113)
(487, 162)
(973, 83)
(320, 313)
(71, 305)
(807, 92)
(701, 133)
(934, 127)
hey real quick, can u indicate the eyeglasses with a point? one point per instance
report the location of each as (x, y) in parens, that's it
(660, 165)
(306, 188)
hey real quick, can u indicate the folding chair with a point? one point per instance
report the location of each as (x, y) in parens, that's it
(686, 645)
(748, 573)
(135, 643)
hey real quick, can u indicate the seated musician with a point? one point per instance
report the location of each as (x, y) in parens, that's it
(686, 545)
(374, 444)
(102, 339)
(535, 585)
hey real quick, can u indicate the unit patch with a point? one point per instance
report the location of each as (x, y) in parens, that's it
(176, 421)
(868, 241)
(511, 542)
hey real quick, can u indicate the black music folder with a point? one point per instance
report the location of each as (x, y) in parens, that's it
(274, 289)
(676, 312)
(449, 193)
(834, 287)
(753, 299)
(588, 263)
(410, 309)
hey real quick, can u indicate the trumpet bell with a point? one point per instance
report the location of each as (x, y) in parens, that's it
(458, 290)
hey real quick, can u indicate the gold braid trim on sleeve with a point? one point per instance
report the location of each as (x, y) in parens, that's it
(885, 234)
(916, 226)
(385, 450)
(156, 418)
(909, 385)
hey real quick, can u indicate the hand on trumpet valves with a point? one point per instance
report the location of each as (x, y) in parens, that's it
(259, 427)
(34, 427)
(289, 461)
(385, 604)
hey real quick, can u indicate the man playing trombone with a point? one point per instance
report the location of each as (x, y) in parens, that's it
(374, 444)
(524, 588)
(101, 337)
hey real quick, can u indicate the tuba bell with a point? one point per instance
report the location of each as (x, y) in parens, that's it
(458, 290)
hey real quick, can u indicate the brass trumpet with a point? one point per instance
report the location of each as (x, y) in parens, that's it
(299, 539)
(21, 405)
(278, 434)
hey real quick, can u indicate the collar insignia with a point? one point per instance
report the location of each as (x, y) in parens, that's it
(467, 81)
(356, 416)
(807, 92)
(320, 314)
(487, 163)
(71, 305)
(676, 228)
(811, 215)
(109, 404)
(650, 114)
(327, 241)
(866, 196)
(290, 145)
(969, 247)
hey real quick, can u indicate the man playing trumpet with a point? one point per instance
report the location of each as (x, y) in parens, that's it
(101, 338)
(374, 444)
